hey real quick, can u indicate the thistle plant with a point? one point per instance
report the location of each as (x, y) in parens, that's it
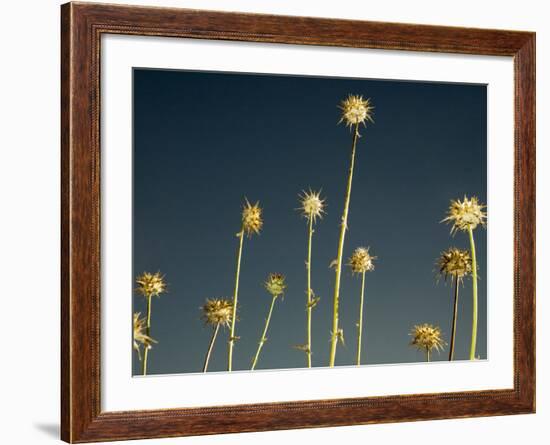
(149, 285)
(465, 216)
(456, 264)
(426, 337)
(355, 111)
(216, 312)
(360, 263)
(140, 338)
(312, 207)
(276, 286)
(251, 224)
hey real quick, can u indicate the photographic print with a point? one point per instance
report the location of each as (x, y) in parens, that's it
(285, 222)
(333, 219)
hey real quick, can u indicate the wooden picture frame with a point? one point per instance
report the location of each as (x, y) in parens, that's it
(82, 25)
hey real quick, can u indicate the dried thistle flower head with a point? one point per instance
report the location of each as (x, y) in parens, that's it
(151, 284)
(252, 218)
(361, 261)
(455, 263)
(312, 206)
(427, 337)
(140, 337)
(217, 311)
(466, 214)
(356, 110)
(275, 284)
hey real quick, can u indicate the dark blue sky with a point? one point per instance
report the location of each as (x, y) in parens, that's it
(204, 141)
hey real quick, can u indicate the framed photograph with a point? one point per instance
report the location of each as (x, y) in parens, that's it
(275, 222)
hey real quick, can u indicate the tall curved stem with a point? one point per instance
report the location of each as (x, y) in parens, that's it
(235, 298)
(148, 333)
(474, 295)
(309, 292)
(263, 339)
(360, 322)
(453, 329)
(210, 347)
(343, 228)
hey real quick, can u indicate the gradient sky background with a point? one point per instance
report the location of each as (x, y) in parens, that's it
(204, 141)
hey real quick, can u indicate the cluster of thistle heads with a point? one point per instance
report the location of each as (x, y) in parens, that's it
(454, 263)
(219, 311)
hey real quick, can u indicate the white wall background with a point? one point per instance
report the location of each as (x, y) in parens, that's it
(29, 218)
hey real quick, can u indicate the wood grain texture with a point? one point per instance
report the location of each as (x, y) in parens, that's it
(81, 28)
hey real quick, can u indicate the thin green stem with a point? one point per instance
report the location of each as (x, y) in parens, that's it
(210, 347)
(235, 297)
(474, 295)
(427, 354)
(309, 291)
(453, 329)
(148, 333)
(343, 228)
(263, 339)
(360, 323)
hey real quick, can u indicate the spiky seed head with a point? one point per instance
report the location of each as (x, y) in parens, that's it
(361, 261)
(151, 284)
(466, 214)
(427, 337)
(252, 218)
(140, 337)
(356, 110)
(275, 284)
(312, 206)
(217, 311)
(454, 262)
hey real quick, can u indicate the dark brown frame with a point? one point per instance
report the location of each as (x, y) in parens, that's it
(82, 25)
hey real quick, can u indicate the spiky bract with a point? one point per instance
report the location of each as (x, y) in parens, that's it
(275, 284)
(454, 262)
(427, 337)
(312, 206)
(252, 218)
(356, 110)
(466, 214)
(217, 311)
(361, 261)
(151, 284)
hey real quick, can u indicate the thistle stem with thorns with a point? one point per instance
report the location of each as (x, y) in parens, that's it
(361, 262)
(235, 298)
(148, 333)
(309, 293)
(355, 111)
(343, 228)
(251, 224)
(275, 285)
(312, 207)
(149, 285)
